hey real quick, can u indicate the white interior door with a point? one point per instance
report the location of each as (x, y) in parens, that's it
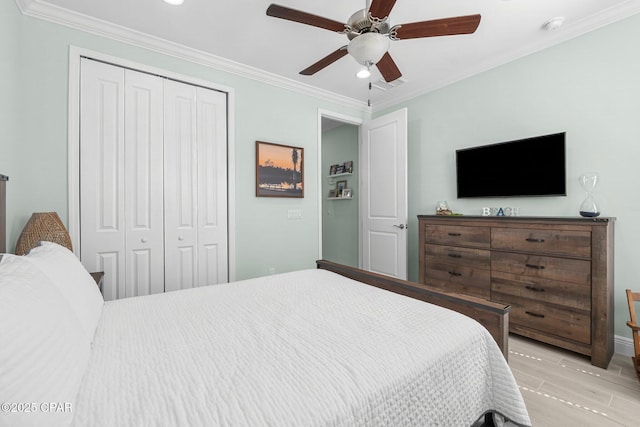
(195, 187)
(153, 181)
(212, 187)
(383, 165)
(181, 186)
(144, 220)
(102, 175)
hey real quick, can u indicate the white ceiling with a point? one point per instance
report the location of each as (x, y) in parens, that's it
(240, 31)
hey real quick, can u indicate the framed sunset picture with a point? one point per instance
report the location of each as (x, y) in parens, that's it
(279, 170)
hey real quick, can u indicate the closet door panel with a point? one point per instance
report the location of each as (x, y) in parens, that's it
(212, 186)
(181, 186)
(144, 196)
(102, 216)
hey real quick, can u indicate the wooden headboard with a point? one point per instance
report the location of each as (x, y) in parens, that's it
(3, 213)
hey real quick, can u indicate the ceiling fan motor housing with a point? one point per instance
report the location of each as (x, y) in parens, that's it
(360, 23)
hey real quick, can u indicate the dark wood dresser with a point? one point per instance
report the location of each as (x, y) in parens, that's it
(556, 273)
(3, 213)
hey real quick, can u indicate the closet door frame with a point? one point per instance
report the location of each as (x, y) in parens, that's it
(75, 53)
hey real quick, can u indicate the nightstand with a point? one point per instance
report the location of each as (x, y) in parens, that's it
(98, 277)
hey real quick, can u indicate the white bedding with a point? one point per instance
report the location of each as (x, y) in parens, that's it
(308, 348)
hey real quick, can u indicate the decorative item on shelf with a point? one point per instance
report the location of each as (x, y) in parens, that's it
(348, 166)
(41, 226)
(442, 208)
(588, 208)
(340, 185)
(506, 211)
(332, 193)
(346, 192)
(333, 169)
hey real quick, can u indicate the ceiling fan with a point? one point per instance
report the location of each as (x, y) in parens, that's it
(369, 33)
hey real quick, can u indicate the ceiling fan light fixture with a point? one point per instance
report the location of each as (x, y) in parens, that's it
(174, 2)
(365, 73)
(368, 48)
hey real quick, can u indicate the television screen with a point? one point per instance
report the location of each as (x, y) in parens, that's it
(526, 167)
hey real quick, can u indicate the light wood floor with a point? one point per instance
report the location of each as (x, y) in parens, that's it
(562, 388)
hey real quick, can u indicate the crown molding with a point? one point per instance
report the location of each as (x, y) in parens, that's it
(547, 39)
(42, 10)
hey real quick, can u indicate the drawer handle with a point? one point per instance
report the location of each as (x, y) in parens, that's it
(534, 289)
(536, 267)
(534, 314)
(455, 234)
(454, 256)
(453, 273)
(532, 240)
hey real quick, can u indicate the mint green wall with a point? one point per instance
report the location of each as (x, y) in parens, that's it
(588, 87)
(33, 144)
(340, 217)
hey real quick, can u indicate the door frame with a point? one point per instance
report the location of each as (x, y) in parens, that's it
(349, 120)
(73, 142)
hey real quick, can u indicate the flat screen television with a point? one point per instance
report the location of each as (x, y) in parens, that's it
(525, 167)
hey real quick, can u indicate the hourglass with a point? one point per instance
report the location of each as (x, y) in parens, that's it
(588, 208)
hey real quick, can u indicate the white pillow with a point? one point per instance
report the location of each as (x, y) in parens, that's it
(72, 280)
(43, 348)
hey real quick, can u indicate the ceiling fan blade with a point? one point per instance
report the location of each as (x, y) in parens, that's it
(439, 27)
(282, 12)
(388, 68)
(324, 62)
(381, 8)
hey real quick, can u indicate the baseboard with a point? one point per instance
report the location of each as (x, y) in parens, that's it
(623, 345)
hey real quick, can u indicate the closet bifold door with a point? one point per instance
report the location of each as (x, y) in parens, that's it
(121, 185)
(195, 177)
(102, 182)
(212, 187)
(180, 186)
(153, 181)
(144, 194)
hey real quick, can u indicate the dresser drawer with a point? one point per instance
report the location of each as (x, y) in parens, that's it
(452, 277)
(505, 286)
(553, 242)
(542, 267)
(475, 258)
(559, 321)
(478, 237)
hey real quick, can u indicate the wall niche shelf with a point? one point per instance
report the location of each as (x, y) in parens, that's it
(337, 175)
(339, 198)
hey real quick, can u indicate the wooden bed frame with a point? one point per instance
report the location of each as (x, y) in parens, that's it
(493, 316)
(3, 213)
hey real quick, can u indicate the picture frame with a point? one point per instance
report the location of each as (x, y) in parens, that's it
(348, 166)
(340, 185)
(346, 192)
(332, 193)
(332, 169)
(279, 170)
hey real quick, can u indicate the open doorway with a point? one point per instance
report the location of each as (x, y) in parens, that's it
(374, 218)
(339, 184)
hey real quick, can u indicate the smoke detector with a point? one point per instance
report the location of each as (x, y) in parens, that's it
(554, 23)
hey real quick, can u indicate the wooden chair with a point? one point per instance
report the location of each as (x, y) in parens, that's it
(632, 297)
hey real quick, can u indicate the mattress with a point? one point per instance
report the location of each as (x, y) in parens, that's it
(307, 348)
